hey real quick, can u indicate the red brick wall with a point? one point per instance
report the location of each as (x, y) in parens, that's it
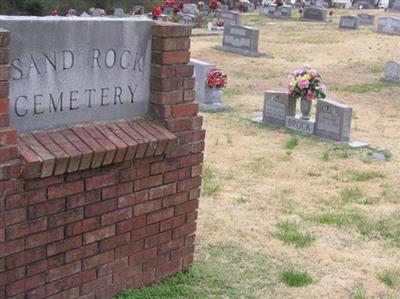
(93, 233)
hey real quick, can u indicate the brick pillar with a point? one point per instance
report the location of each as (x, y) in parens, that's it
(10, 165)
(172, 99)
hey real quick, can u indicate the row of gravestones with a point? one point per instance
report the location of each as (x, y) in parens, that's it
(230, 18)
(274, 11)
(388, 25)
(332, 119)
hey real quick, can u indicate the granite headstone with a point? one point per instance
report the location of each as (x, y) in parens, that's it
(241, 40)
(314, 14)
(278, 105)
(119, 13)
(366, 19)
(392, 72)
(349, 22)
(190, 9)
(231, 18)
(333, 120)
(389, 25)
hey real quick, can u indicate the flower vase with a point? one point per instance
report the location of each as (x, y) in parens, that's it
(305, 108)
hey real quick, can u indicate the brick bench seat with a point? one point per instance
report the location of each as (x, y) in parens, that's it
(48, 153)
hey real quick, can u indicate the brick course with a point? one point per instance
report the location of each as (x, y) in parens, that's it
(89, 219)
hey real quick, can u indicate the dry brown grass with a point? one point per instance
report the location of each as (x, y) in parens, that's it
(262, 183)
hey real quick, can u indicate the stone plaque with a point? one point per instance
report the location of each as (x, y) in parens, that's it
(388, 25)
(301, 125)
(231, 18)
(187, 20)
(333, 120)
(392, 72)
(366, 19)
(241, 40)
(349, 22)
(119, 13)
(286, 11)
(190, 9)
(314, 14)
(66, 71)
(278, 105)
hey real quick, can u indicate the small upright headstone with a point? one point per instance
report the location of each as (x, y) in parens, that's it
(364, 4)
(286, 11)
(392, 72)
(85, 14)
(278, 105)
(366, 19)
(333, 120)
(272, 9)
(389, 25)
(168, 10)
(241, 40)
(231, 18)
(224, 7)
(119, 13)
(138, 10)
(187, 19)
(314, 14)
(349, 22)
(205, 95)
(263, 11)
(190, 9)
(97, 12)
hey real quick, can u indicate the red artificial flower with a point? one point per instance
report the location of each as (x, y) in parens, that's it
(213, 5)
(156, 12)
(216, 79)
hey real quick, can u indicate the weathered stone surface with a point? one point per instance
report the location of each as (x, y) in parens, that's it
(66, 71)
(333, 120)
(119, 12)
(392, 72)
(190, 9)
(300, 125)
(366, 19)
(314, 14)
(187, 19)
(389, 25)
(349, 22)
(278, 105)
(231, 18)
(241, 40)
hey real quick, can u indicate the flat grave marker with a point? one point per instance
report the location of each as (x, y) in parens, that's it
(314, 14)
(349, 22)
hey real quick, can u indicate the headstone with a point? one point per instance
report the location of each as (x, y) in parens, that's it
(333, 120)
(364, 4)
(272, 9)
(224, 7)
(396, 5)
(320, 4)
(286, 11)
(300, 125)
(85, 14)
(392, 72)
(314, 14)
(187, 19)
(389, 25)
(190, 9)
(366, 19)
(168, 10)
(349, 22)
(138, 9)
(231, 18)
(204, 95)
(241, 40)
(263, 11)
(92, 75)
(278, 105)
(119, 13)
(97, 12)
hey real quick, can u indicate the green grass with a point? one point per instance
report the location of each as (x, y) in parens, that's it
(230, 92)
(241, 199)
(211, 182)
(228, 138)
(292, 143)
(359, 293)
(260, 165)
(363, 176)
(390, 278)
(294, 278)
(369, 87)
(350, 194)
(313, 173)
(289, 234)
(326, 156)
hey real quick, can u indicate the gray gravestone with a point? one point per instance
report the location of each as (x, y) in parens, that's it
(278, 105)
(389, 25)
(231, 18)
(224, 7)
(366, 19)
(240, 40)
(272, 10)
(168, 10)
(139, 9)
(364, 4)
(119, 13)
(333, 120)
(190, 9)
(392, 72)
(205, 95)
(93, 75)
(286, 11)
(187, 19)
(96, 12)
(314, 14)
(349, 22)
(300, 125)
(263, 11)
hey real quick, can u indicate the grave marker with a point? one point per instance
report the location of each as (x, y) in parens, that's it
(190, 9)
(314, 14)
(333, 120)
(349, 22)
(300, 125)
(231, 18)
(119, 13)
(278, 105)
(187, 19)
(241, 40)
(389, 25)
(392, 72)
(366, 19)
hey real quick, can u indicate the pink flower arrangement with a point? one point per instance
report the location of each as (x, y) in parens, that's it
(306, 83)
